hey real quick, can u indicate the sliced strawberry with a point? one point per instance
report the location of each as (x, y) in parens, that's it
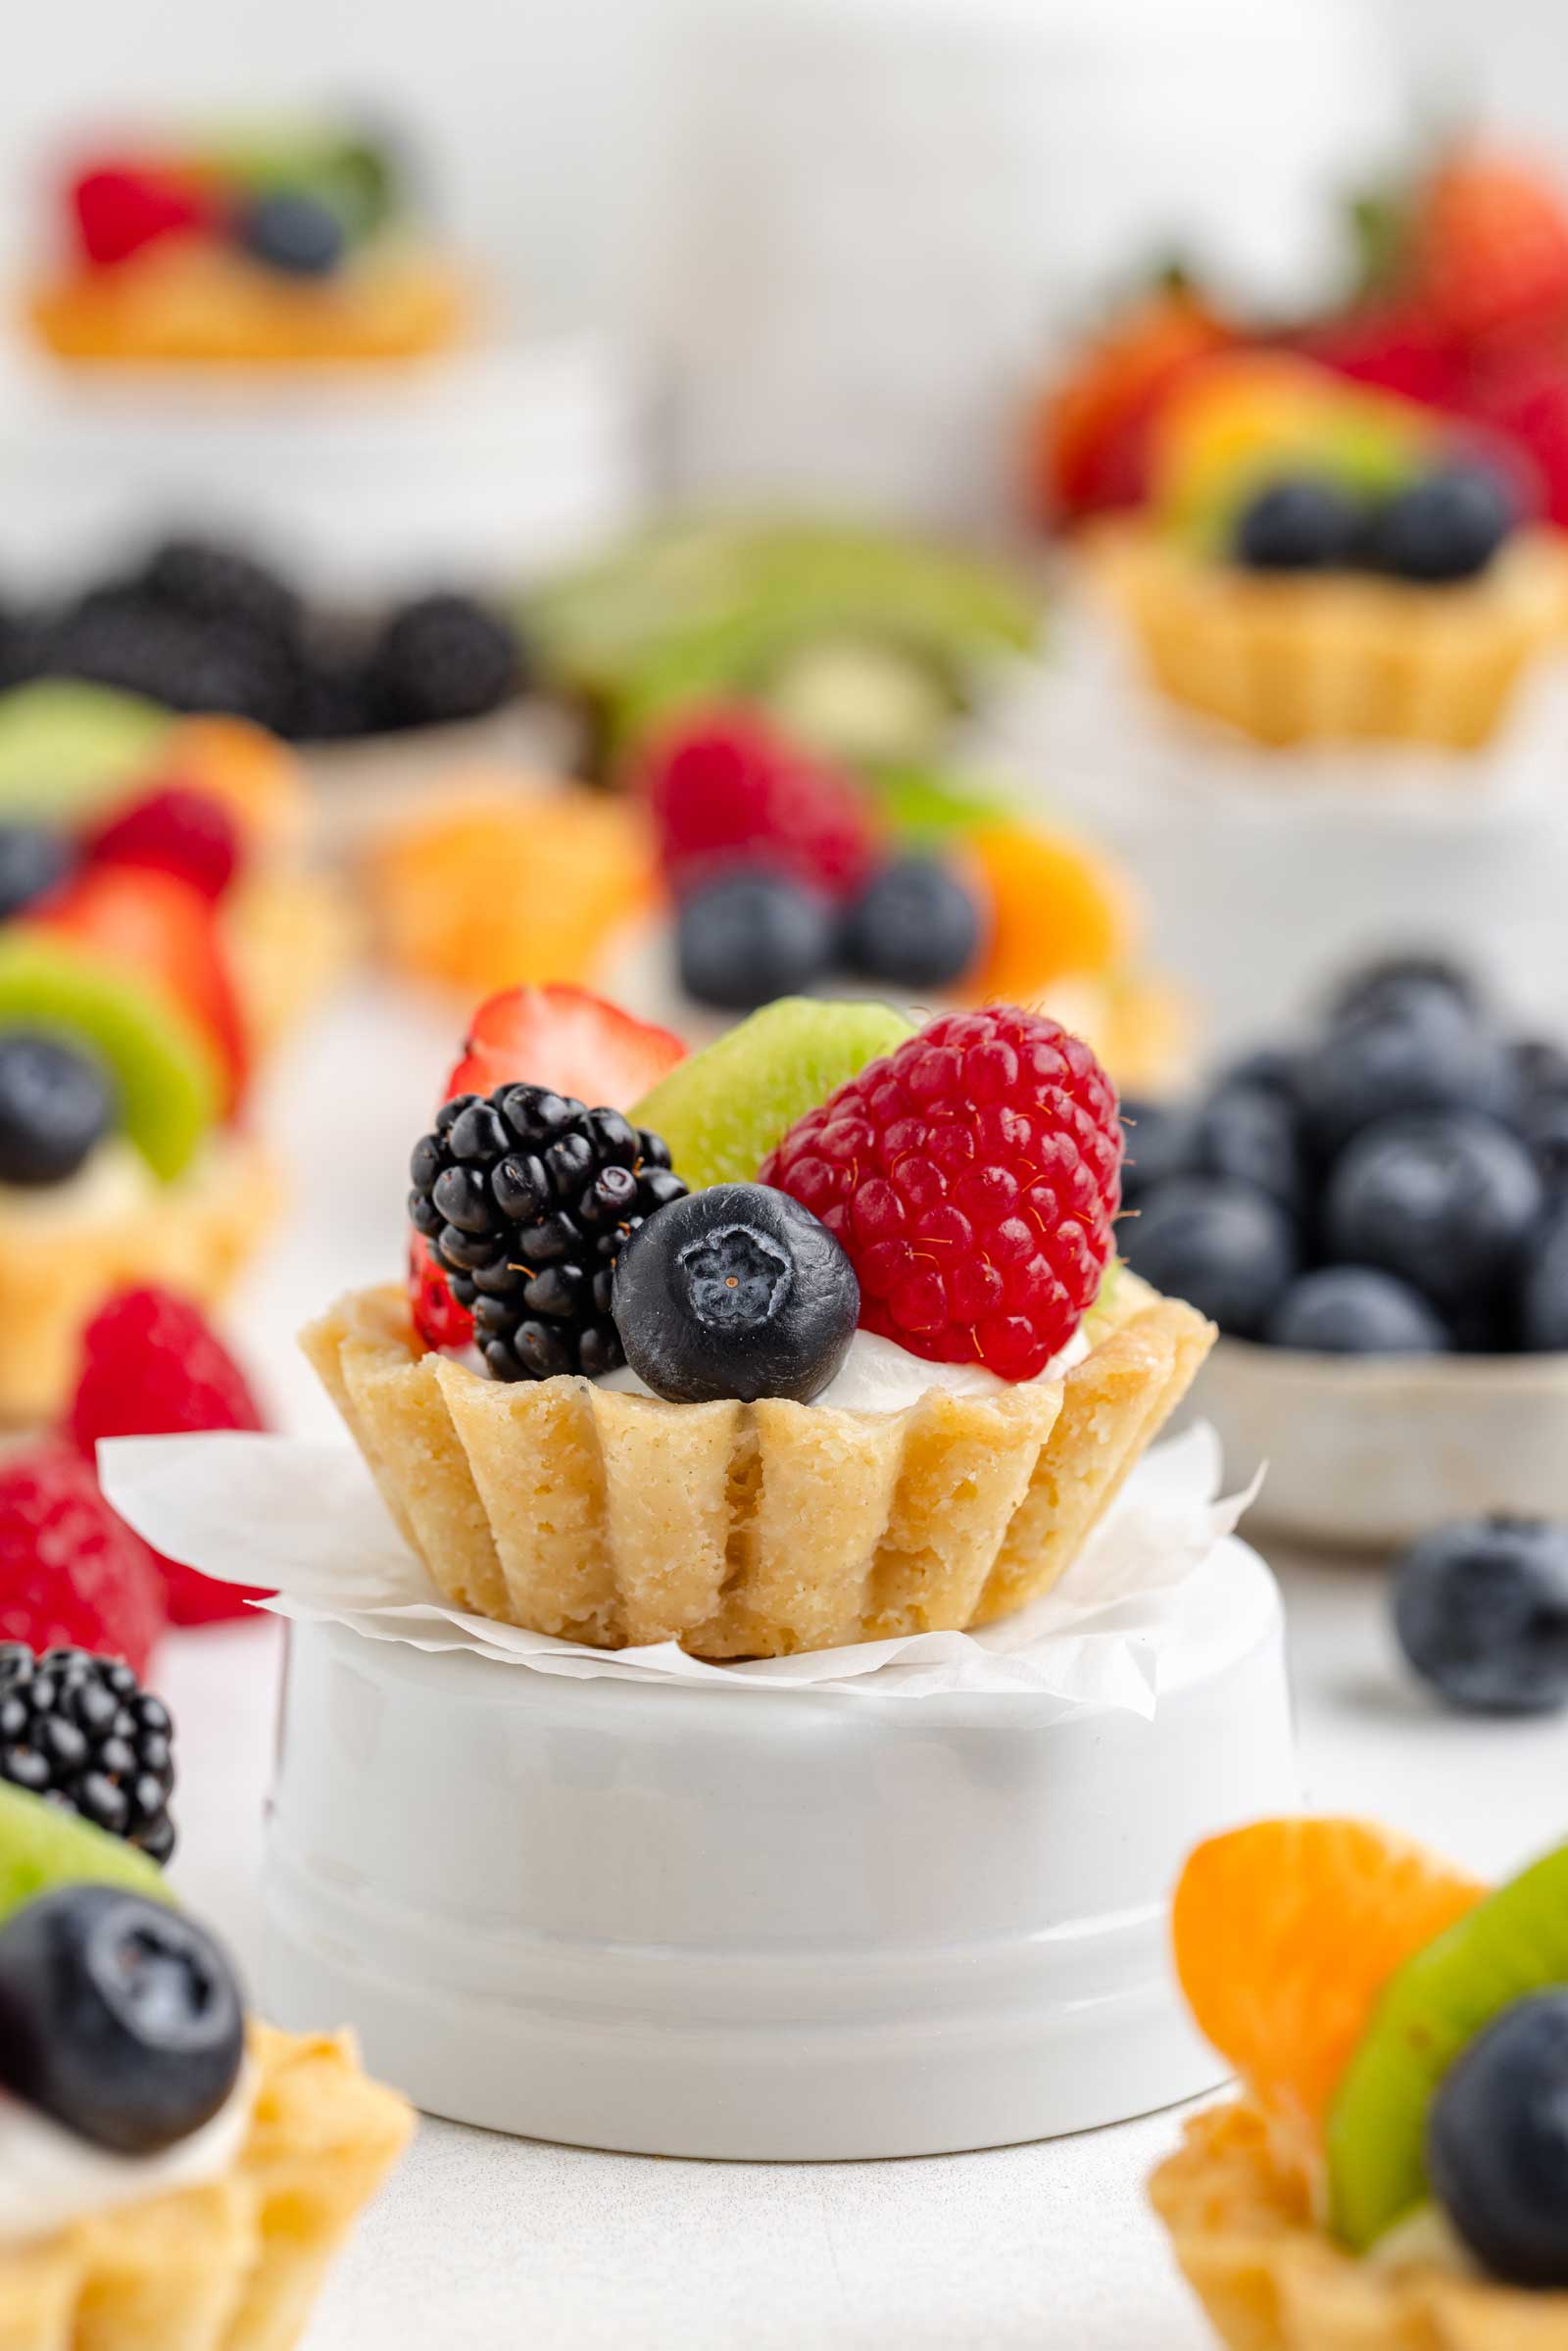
(163, 930)
(173, 829)
(1492, 246)
(567, 1040)
(121, 206)
(437, 1316)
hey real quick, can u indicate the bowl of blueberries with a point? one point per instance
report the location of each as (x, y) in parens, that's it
(1376, 1215)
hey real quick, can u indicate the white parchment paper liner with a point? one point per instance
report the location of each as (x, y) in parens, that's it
(307, 1521)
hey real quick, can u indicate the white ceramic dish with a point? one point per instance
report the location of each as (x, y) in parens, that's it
(1366, 1452)
(695, 1922)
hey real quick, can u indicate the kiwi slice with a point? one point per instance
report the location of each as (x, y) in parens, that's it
(169, 1085)
(42, 1847)
(68, 747)
(1514, 1943)
(723, 1111)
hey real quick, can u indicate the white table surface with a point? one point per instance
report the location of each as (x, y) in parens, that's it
(481, 2242)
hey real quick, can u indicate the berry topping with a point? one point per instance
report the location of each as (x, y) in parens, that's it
(1446, 1201)
(1492, 246)
(1157, 1137)
(292, 232)
(152, 1366)
(1249, 1131)
(725, 787)
(1497, 2144)
(1391, 983)
(915, 925)
(122, 207)
(1419, 1049)
(972, 1178)
(1447, 527)
(1225, 1246)
(442, 660)
(723, 1111)
(442, 1324)
(176, 831)
(72, 1574)
(1298, 525)
(748, 937)
(33, 860)
(81, 1730)
(735, 1291)
(55, 1105)
(120, 2019)
(1481, 1609)
(1544, 1303)
(527, 1198)
(567, 1040)
(1354, 1310)
(212, 581)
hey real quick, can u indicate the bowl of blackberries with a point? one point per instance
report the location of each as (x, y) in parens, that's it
(1376, 1215)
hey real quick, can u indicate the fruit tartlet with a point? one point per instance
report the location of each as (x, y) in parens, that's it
(255, 248)
(1396, 2172)
(811, 1344)
(170, 2173)
(156, 935)
(1320, 562)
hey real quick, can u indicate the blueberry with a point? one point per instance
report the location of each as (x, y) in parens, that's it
(1446, 1201)
(1427, 1054)
(1481, 1610)
(292, 232)
(1544, 1124)
(55, 1105)
(743, 940)
(118, 2017)
(1391, 981)
(1541, 1066)
(1272, 1066)
(1543, 1291)
(737, 1291)
(1157, 1135)
(1250, 1131)
(32, 859)
(1496, 2145)
(915, 925)
(1302, 523)
(1356, 1311)
(1447, 527)
(1225, 1246)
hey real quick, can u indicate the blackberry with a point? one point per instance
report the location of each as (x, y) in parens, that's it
(125, 638)
(443, 659)
(214, 583)
(81, 1730)
(527, 1198)
(336, 702)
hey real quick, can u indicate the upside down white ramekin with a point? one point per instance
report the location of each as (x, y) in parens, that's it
(795, 1924)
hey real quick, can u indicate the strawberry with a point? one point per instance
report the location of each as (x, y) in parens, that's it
(163, 929)
(172, 831)
(121, 206)
(442, 1324)
(567, 1040)
(1089, 436)
(1397, 347)
(1491, 247)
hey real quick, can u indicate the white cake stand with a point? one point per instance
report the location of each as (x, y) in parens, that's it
(796, 1925)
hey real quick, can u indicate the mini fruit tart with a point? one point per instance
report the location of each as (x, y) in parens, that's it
(1396, 2174)
(251, 248)
(1321, 563)
(813, 1345)
(170, 2174)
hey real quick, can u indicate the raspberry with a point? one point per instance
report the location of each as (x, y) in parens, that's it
(726, 788)
(152, 1367)
(122, 207)
(174, 831)
(972, 1178)
(437, 1316)
(72, 1574)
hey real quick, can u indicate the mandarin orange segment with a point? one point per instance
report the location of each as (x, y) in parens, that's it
(1058, 910)
(257, 778)
(497, 891)
(1285, 1932)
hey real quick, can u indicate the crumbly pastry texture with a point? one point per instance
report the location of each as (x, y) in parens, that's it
(747, 1529)
(1271, 2282)
(193, 1235)
(229, 2267)
(1336, 656)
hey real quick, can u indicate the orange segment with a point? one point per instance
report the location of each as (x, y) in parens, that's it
(497, 891)
(258, 778)
(1059, 910)
(1285, 1932)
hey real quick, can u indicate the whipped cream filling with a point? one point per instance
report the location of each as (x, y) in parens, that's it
(49, 2178)
(877, 1375)
(114, 1181)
